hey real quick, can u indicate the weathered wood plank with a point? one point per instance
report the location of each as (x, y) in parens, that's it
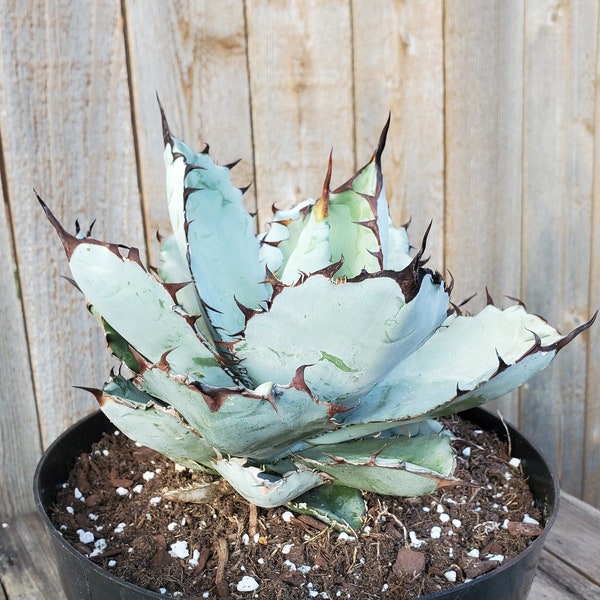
(557, 580)
(193, 54)
(27, 567)
(20, 444)
(400, 70)
(574, 539)
(559, 97)
(66, 130)
(591, 459)
(483, 104)
(300, 64)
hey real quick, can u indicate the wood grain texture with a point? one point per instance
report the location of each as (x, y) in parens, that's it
(20, 445)
(193, 55)
(28, 570)
(559, 109)
(300, 62)
(494, 135)
(64, 85)
(483, 117)
(570, 540)
(591, 450)
(401, 71)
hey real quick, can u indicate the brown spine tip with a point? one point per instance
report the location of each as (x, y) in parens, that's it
(321, 207)
(573, 334)
(382, 140)
(98, 394)
(232, 164)
(502, 364)
(213, 397)
(69, 242)
(450, 283)
(517, 300)
(299, 383)
(167, 137)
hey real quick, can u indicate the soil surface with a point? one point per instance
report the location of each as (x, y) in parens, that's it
(112, 509)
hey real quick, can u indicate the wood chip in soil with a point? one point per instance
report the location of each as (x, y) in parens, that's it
(112, 509)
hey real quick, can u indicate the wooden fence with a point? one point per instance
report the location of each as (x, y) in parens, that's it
(494, 136)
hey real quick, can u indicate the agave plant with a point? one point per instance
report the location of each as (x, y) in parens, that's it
(304, 365)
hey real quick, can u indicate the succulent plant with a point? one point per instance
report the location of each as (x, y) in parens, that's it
(304, 365)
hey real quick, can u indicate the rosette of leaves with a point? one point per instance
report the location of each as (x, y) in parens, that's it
(303, 365)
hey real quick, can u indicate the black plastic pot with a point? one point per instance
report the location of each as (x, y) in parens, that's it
(84, 580)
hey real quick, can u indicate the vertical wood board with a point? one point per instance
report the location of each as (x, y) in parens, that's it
(559, 104)
(300, 63)
(483, 109)
(28, 569)
(67, 133)
(591, 450)
(399, 69)
(20, 445)
(193, 55)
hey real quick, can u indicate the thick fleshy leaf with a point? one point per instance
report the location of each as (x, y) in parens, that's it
(337, 505)
(174, 270)
(398, 466)
(349, 226)
(331, 328)
(174, 267)
(141, 419)
(281, 237)
(397, 256)
(141, 310)
(138, 307)
(265, 489)
(260, 424)
(469, 361)
(312, 251)
(222, 249)
(359, 220)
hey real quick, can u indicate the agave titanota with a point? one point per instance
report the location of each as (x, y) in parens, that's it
(303, 364)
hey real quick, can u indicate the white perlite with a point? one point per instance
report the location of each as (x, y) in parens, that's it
(530, 520)
(179, 549)
(193, 562)
(450, 576)
(247, 584)
(120, 528)
(100, 546)
(415, 542)
(85, 537)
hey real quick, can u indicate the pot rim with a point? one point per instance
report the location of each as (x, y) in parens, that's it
(552, 501)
